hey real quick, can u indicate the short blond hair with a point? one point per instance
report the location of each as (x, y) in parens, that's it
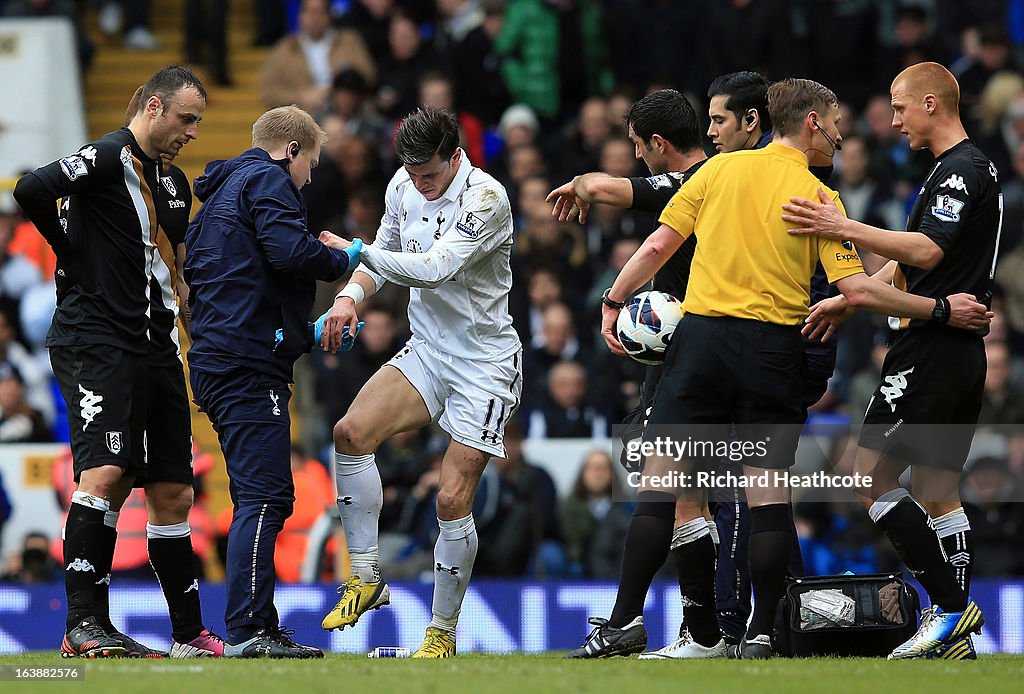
(281, 125)
(791, 99)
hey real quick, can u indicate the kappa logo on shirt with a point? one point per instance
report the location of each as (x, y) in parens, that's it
(955, 182)
(88, 153)
(947, 208)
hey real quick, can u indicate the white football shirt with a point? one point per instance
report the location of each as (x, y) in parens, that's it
(453, 253)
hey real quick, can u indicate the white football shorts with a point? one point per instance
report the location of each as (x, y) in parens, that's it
(474, 398)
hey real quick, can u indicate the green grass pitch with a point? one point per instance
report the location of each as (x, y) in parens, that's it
(526, 674)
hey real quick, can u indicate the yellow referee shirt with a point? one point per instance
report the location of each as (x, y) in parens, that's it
(746, 265)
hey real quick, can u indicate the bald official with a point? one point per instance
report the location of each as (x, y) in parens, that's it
(925, 410)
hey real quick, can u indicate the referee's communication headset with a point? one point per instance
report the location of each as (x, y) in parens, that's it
(294, 150)
(836, 147)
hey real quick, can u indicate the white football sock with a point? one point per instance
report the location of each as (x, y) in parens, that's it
(360, 497)
(454, 554)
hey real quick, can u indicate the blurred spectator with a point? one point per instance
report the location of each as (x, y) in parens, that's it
(991, 499)
(206, 40)
(476, 65)
(556, 342)
(314, 494)
(17, 274)
(542, 288)
(400, 67)
(33, 564)
(137, 36)
(36, 380)
(301, 66)
(19, 421)
(348, 101)
(518, 126)
(326, 192)
(30, 245)
(1001, 403)
(582, 151)
(436, 91)
(594, 519)
(558, 246)
(999, 118)
(553, 55)
(455, 19)
(993, 55)
(55, 8)
(525, 529)
(912, 42)
(564, 412)
(371, 19)
(521, 162)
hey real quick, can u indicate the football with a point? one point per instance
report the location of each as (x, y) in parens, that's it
(646, 324)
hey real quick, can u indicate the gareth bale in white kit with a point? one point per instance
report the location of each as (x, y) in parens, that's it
(446, 234)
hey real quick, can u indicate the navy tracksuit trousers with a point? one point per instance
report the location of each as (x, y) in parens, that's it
(249, 412)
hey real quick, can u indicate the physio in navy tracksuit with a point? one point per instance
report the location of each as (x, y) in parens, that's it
(251, 266)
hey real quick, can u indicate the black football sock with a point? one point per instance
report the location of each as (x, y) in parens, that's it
(954, 531)
(906, 525)
(109, 536)
(771, 543)
(647, 541)
(693, 553)
(83, 556)
(170, 553)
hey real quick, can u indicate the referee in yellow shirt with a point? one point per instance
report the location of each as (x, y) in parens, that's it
(736, 355)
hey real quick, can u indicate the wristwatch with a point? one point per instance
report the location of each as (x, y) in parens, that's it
(610, 302)
(940, 314)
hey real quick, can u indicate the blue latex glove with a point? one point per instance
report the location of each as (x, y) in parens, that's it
(353, 252)
(346, 341)
(318, 328)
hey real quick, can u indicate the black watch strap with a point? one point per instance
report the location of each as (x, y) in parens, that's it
(941, 312)
(609, 302)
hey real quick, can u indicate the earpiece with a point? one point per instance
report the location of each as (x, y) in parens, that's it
(814, 122)
(294, 151)
(750, 119)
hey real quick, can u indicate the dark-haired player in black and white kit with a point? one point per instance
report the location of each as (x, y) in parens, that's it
(925, 409)
(664, 129)
(115, 292)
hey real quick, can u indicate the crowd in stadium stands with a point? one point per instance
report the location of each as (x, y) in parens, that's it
(540, 88)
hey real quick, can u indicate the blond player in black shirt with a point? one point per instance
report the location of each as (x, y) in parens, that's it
(925, 409)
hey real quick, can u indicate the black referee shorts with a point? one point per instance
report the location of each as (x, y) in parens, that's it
(721, 371)
(925, 408)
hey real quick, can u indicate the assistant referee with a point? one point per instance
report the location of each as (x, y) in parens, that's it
(737, 351)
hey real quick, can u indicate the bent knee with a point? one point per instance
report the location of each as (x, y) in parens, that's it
(351, 439)
(452, 504)
(169, 503)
